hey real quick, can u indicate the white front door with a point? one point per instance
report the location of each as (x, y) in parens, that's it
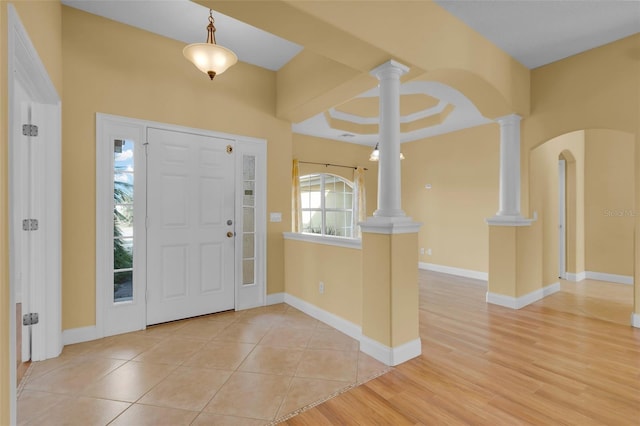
(190, 226)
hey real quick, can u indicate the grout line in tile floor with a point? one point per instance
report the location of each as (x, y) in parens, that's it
(152, 361)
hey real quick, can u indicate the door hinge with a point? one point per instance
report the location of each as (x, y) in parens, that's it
(29, 130)
(29, 319)
(30, 225)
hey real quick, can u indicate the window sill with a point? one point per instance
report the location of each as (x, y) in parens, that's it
(353, 243)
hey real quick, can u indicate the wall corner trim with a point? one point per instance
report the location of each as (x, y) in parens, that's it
(347, 327)
(467, 273)
(522, 301)
(635, 320)
(386, 355)
(390, 356)
(275, 298)
(79, 335)
(576, 277)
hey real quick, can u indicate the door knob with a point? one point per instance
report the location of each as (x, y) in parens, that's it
(230, 234)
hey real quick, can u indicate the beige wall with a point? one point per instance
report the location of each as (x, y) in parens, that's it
(609, 202)
(463, 169)
(116, 69)
(596, 89)
(420, 34)
(42, 21)
(544, 201)
(339, 268)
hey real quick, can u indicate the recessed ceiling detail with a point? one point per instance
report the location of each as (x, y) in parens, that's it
(427, 108)
(368, 107)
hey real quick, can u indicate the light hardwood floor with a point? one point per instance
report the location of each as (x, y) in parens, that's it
(570, 359)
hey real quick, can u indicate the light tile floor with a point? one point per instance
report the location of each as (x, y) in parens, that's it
(234, 368)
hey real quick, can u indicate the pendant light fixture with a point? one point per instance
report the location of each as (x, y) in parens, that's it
(209, 57)
(375, 154)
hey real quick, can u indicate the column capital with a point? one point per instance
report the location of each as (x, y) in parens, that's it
(389, 68)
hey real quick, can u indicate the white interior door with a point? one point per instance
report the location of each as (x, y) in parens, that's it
(190, 226)
(562, 218)
(22, 210)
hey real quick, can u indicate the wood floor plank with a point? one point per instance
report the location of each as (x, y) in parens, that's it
(549, 363)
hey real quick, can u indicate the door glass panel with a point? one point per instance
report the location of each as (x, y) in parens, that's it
(123, 286)
(247, 246)
(249, 167)
(249, 193)
(122, 253)
(248, 222)
(247, 271)
(123, 179)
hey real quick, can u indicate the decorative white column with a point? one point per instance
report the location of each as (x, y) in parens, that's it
(390, 319)
(389, 183)
(509, 208)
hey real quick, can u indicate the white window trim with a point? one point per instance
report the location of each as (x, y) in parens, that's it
(329, 240)
(324, 210)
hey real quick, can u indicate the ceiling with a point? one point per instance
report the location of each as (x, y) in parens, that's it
(539, 32)
(535, 33)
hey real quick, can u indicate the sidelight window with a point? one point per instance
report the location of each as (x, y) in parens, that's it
(123, 238)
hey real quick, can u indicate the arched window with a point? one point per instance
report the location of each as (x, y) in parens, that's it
(327, 205)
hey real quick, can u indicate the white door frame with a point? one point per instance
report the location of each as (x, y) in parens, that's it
(104, 227)
(562, 219)
(26, 69)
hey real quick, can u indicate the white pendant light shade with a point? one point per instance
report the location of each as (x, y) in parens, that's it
(211, 59)
(208, 57)
(375, 154)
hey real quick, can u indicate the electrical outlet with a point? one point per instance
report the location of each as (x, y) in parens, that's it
(421, 250)
(429, 252)
(321, 287)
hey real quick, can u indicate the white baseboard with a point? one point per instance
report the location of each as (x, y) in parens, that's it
(383, 353)
(390, 356)
(347, 327)
(467, 273)
(275, 298)
(522, 301)
(613, 278)
(576, 277)
(635, 320)
(79, 335)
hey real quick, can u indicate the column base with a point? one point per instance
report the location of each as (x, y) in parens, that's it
(508, 220)
(390, 225)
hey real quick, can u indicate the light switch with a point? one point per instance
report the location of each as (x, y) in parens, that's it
(275, 217)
